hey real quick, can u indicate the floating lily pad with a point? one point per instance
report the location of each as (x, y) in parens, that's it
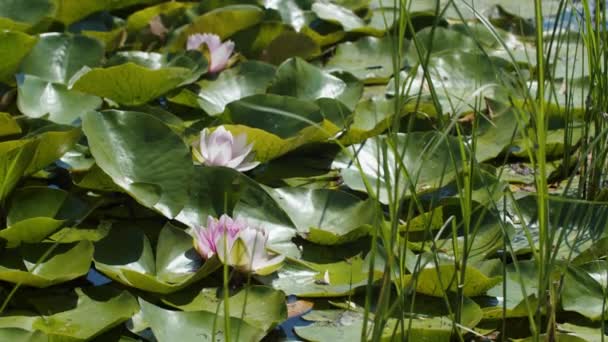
(218, 190)
(342, 325)
(16, 46)
(44, 89)
(278, 124)
(70, 11)
(68, 316)
(26, 156)
(195, 325)
(22, 16)
(299, 79)
(36, 212)
(324, 216)
(247, 79)
(260, 306)
(369, 59)
(65, 262)
(126, 255)
(143, 156)
(141, 78)
(427, 163)
(308, 279)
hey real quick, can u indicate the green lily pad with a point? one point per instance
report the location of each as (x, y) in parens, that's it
(297, 78)
(141, 19)
(64, 263)
(369, 59)
(70, 11)
(218, 190)
(438, 280)
(427, 158)
(583, 294)
(278, 124)
(224, 22)
(143, 156)
(141, 77)
(521, 283)
(23, 157)
(246, 79)
(36, 212)
(326, 217)
(259, 306)
(337, 14)
(16, 46)
(67, 54)
(459, 79)
(8, 125)
(67, 317)
(308, 279)
(195, 325)
(290, 44)
(44, 89)
(126, 256)
(292, 12)
(370, 117)
(496, 132)
(342, 325)
(22, 16)
(54, 101)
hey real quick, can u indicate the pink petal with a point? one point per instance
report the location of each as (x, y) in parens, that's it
(220, 56)
(195, 41)
(212, 41)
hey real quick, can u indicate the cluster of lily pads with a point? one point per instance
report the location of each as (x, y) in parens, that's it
(144, 144)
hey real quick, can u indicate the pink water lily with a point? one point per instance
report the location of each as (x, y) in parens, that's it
(244, 247)
(221, 148)
(219, 52)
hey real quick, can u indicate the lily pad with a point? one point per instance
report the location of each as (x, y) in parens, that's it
(218, 190)
(70, 11)
(259, 306)
(36, 212)
(44, 89)
(427, 163)
(308, 279)
(16, 46)
(295, 77)
(246, 79)
(71, 315)
(21, 16)
(141, 78)
(339, 15)
(143, 156)
(23, 157)
(583, 294)
(54, 101)
(278, 124)
(65, 262)
(324, 216)
(370, 59)
(67, 54)
(195, 325)
(126, 256)
(341, 325)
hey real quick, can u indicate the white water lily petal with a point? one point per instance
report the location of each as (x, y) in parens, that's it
(220, 56)
(219, 53)
(236, 244)
(221, 148)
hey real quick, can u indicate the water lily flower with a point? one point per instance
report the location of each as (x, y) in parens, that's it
(219, 52)
(236, 244)
(220, 148)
